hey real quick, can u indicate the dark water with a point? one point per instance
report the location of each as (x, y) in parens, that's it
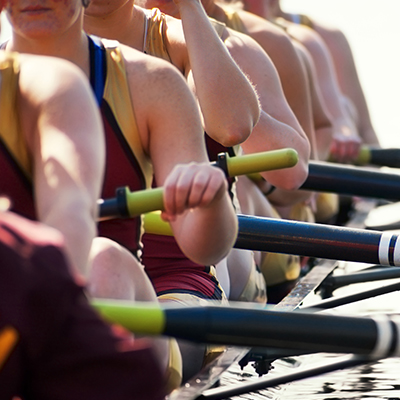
(379, 380)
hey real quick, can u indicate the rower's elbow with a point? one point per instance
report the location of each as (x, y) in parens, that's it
(234, 134)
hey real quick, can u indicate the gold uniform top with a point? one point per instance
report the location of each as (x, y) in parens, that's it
(10, 130)
(155, 36)
(127, 164)
(15, 160)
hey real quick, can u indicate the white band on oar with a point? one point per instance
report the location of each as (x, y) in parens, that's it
(384, 337)
(384, 245)
(396, 320)
(396, 254)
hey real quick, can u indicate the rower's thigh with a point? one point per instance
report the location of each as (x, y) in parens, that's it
(116, 273)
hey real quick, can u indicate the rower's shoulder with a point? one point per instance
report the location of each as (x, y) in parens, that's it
(43, 77)
(145, 67)
(152, 81)
(271, 37)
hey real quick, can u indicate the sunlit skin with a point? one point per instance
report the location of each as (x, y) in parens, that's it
(43, 17)
(348, 125)
(229, 104)
(346, 70)
(171, 134)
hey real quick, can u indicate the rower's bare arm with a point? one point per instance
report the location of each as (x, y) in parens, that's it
(348, 79)
(278, 126)
(68, 150)
(280, 49)
(227, 100)
(346, 140)
(198, 205)
(322, 122)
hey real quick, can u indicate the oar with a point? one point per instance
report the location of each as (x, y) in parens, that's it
(131, 204)
(377, 156)
(378, 337)
(352, 181)
(226, 392)
(318, 240)
(281, 236)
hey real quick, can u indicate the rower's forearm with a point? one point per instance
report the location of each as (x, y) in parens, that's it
(270, 134)
(228, 101)
(78, 227)
(206, 235)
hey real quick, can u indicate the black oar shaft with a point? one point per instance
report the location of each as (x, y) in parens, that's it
(317, 240)
(263, 328)
(335, 282)
(353, 181)
(244, 388)
(352, 298)
(385, 157)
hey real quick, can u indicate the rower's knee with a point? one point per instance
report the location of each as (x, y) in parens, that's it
(116, 273)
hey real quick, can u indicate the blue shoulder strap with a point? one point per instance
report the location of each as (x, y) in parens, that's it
(98, 67)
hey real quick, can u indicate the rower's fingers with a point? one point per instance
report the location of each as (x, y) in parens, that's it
(174, 193)
(208, 185)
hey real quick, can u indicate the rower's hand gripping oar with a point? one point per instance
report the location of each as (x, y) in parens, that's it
(378, 337)
(130, 204)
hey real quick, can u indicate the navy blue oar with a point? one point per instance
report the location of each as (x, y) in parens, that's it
(378, 156)
(378, 336)
(352, 181)
(318, 240)
(370, 155)
(280, 236)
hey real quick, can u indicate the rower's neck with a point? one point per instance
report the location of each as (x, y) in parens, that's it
(275, 10)
(71, 45)
(126, 24)
(258, 7)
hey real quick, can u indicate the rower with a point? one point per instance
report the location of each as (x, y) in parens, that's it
(57, 156)
(271, 107)
(346, 136)
(147, 30)
(345, 68)
(52, 343)
(162, 129)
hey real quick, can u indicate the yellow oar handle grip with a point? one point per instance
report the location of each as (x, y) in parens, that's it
(363, 158)
(154, 224)
(144, 201)
(141, 318)
(131, 204)
(264, 161)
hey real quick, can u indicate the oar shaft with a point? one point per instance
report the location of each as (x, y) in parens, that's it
(353, 181)
(381, 157)
(352, 298)
(318, 240)
(378, 337)
(227, 392)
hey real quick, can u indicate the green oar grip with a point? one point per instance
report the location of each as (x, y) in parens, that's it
(364, 156)
(142, 318)
(144, 201)
(264, 161)
(153, 223)
(131, 204)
